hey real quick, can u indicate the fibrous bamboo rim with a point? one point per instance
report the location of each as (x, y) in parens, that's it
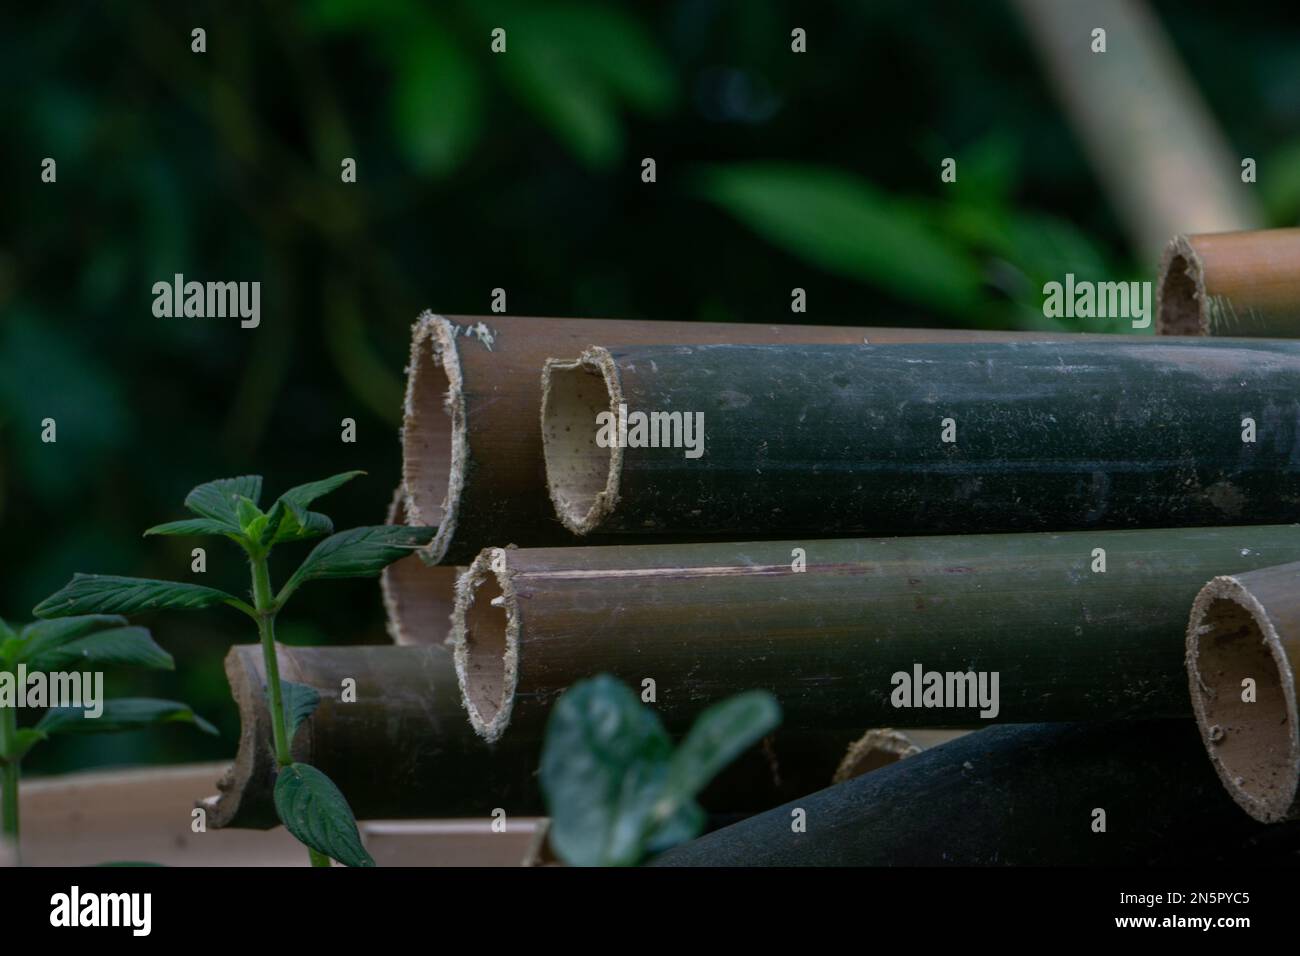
(1254, 746)
(435, 444)
(1182, 306)
(485, 627)
(581, 475)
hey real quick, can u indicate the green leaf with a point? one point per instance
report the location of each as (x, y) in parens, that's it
(218, 499)
(315, 811)
(576, 105)
(615, 47)
(6, 631)
(358, 553)
(300, 702)
(437, 100)
(247, 514)
(87, 593)
(842, 224)
(720, 735)
(124, 713)
(128, 646)
(297, 499)
(40, 637)
(604, 764)
(190, 526)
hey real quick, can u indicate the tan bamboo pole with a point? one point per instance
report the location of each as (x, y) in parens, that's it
(1231, 283)
(418, 598)
(1161, 158)
(403, 748)
(471, 440)
(1243, 656)
(826, 625)
(884, 746)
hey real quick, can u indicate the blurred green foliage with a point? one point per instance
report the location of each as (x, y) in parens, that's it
(479, 170)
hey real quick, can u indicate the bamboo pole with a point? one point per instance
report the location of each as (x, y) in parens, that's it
(706, 621)
(924, 438)
(418, 598)
(1161, 158)
(471, 441)
(1243, 655)
(1231, 283)
(1017, 795)
(403, 749)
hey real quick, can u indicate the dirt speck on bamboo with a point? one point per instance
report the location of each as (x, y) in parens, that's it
(1230, 283)
(1243, 655)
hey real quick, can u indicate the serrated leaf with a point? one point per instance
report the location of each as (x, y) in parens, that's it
(297, 499)
(358, 553)
(283, 525)
(106, 593)
(604, 764)
(40, 637)
(128, 646)
(190, 526)
(218, 499)
(121, 714)
(315, 811)
(718, 736)
(300, 702)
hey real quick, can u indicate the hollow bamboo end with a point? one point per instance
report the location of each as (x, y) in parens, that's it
(418, 599)
(435, 446)
(1182, 305)
(1253, 745)
(485, 634)
(244, 791)
(582, 475)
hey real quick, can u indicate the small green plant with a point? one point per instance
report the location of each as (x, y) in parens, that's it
(616, 789)
(308, 803)
(46, 647)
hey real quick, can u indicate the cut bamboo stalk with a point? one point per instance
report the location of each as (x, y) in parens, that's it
(403, 749)
(1243, 655)
(1232, 283)
(706, 621)
(1019, 795)
(471, 441)
(1158, 152)
(923, 438)
(418, 598)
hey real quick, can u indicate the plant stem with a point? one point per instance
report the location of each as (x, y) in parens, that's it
(9, 787)
(266, 611)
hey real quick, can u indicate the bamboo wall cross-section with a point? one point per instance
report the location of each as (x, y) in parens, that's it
(1075, 626)
(923, 438)
(1243, 655)
(1231, 283)
(471, 442)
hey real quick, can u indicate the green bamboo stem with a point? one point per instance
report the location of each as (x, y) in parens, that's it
(706, 621)
(1014, 795)
(471, 441)
(909, 439)
(1243, 658)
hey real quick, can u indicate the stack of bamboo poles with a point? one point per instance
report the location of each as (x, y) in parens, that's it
(1055, 508)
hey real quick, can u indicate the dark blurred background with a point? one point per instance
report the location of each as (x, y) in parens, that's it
(476, 171)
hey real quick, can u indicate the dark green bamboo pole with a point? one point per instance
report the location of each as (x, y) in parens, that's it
(1243, 658)
(403, 748)
(705, 621)
(471, 444)
(928, 438)
(1019, 795)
